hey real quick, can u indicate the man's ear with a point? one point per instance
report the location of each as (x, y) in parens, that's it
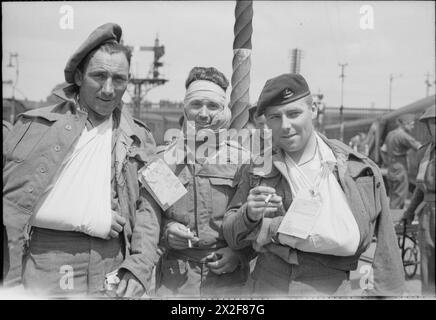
(78, 77)
(314, 110)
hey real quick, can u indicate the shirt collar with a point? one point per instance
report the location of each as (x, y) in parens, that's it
(121, 118)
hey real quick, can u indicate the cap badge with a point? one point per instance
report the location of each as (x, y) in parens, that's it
(287, 93)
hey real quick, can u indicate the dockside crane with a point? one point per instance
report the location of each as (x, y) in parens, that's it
(141, 86)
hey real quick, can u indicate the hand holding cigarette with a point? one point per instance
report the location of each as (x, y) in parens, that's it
(180, 236)
(262, 200)
(268, 198)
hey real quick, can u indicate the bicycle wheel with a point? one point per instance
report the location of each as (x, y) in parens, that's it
(410, 262)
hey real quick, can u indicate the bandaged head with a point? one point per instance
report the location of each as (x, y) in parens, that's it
(205, 100)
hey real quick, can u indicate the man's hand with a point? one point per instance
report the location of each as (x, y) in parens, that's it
(178, 236)
(130, 286)
(225, 259)
(256, 206)
(117, 225)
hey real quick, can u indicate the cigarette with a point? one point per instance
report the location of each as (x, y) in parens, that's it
(268, 198)
(189, 240)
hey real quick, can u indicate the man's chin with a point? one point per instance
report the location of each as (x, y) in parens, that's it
(290, 145)
(105, 109)
(293, 140)
(201, 126)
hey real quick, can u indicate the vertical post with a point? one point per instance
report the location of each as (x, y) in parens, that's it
(341, 108)
(14, 84)
(390, 90)
(239, 97)
(427, 84)
(377, 142)
(12, 118)
(137, 99)
(391, 79)
(296, 55)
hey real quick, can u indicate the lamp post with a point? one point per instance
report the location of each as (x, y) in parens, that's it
(427, 84)
(391, 78)
(13, 56)
(341, 109)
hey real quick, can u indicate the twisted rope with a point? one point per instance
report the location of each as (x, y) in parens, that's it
(239, 97)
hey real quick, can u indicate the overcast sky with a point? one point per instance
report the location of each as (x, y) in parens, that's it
(200, 33)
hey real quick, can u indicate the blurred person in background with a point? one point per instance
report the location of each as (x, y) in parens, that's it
(423, 205)
(397, 143)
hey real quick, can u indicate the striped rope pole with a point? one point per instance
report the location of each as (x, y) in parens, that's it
(239, 97)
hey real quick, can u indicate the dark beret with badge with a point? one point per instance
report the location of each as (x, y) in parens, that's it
(281, 90)
(109, 32)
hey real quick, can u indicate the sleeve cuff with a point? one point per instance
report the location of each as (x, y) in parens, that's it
(140, 275)
(248, 222)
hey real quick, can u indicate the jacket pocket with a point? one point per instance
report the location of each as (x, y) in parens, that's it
(28, 139)
(171, 273)
(182, 211)
(367, 190)
(221, 191)
(13, 148)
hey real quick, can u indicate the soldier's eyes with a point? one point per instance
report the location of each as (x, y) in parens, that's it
(274, 117)
(213, 106)
(195, 104)
(293, 114)
(99, 76)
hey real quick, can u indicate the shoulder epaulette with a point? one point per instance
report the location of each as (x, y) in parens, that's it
(236, 145)
(7, 125)
(161, 149)
(141, 124)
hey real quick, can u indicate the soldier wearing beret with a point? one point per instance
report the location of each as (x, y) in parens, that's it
(316, 211)
(77, 220)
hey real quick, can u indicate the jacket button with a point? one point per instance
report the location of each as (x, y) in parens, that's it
(57, 148)
(378, 184)
(30, 189)
(41, 169)
(68, 127)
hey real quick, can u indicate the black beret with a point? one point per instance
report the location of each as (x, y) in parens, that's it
(286, 88)
(105, 33)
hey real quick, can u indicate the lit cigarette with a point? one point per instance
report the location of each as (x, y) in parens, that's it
(268, 198)
(189, 240)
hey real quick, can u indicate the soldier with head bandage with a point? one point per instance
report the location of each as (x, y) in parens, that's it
(197, 260)
(205, 102)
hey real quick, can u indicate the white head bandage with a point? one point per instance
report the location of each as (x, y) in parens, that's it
(204, 89)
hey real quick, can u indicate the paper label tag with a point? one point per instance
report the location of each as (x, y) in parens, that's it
(301, 216)
(162, 183)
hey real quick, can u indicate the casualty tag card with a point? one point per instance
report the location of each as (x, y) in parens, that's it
(162, 183)
(301, 216)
